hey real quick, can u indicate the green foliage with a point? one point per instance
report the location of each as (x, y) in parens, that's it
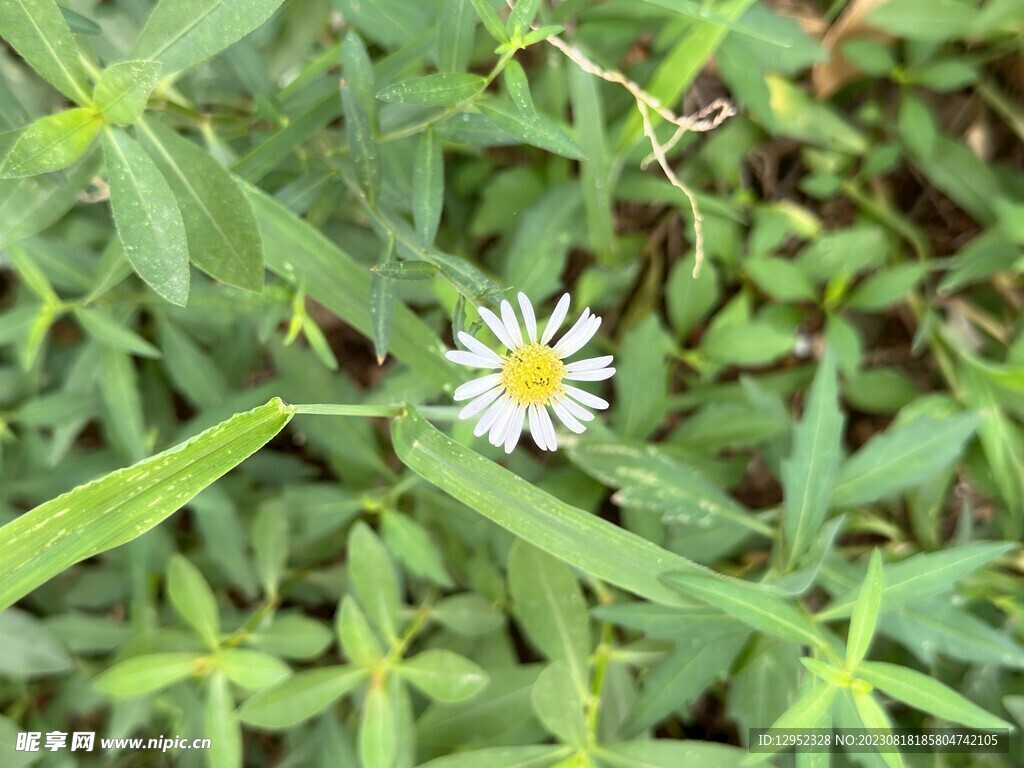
(803, 507)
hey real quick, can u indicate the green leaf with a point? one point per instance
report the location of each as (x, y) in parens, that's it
(902, 458)
(146, 674)
(677, 680)
(33, 277)
(300, 697)
(293, 636)
(957, 172)
(310, 116)
(147, 216)
(467, 614)
(378, 728)
(780, 278)
(550, 608)
(411, 543)
(191, 370)
(670, 753)
(689, 298)
(123, 90)
(923, 575)
(356, 635)
(596, 177)
(537, 129)
(650, 478)
(927, 20)
(38, 32)
(798, 115)
(492, 22)
(51, 143)
(518, 87)
(886, 288)
(124, 420)
(865, 613)
(361, 115)
(939, 627)
(443, 675)
(300, 253)
(748, 344)
(222, 726)
(125, 504)
(373, 580)
(28, 648)
(79, 24)
(543, 236)
(927, 694)
(558, 704)
(30, 205)
(270, 545)
(809, 474)
(194, 600)
(406, 270)
(642, 381)
(428, 187)
(107, 330)
(359, 77)
(382, 303)
(660, 621)
(872, 715)
(180, 35)
(221, 228)
(532, 756)
(751, 604)
(805, 712)
(916, 125)
(455, 34)
(438, 90)
(252, 669)
(541, 33)
(585, 541)
(522, 16)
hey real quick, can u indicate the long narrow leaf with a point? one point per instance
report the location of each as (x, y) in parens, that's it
(589, 543)
(125, 504)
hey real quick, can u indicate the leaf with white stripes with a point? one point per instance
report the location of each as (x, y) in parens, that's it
(125, 504)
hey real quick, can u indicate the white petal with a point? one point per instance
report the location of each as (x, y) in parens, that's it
(570, 346)
(535, 429)
(516, 428)
(471, 359)
(475, 406)
(567, 418)
(590, 364)
(508, 317)
(574, 408)
(496, 326)
(529, 317)
(488, 418)
(478, 347)
(503, 423)
(589, 400)
(601, 375)
(549, 429)
(476, 387)
(556, 319)
(580, 323)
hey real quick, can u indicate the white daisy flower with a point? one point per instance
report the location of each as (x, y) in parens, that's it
(531, 376)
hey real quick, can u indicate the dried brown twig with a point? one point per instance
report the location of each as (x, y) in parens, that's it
(707, 119)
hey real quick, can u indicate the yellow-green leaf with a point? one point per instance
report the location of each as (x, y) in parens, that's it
(51, 143)
(123, 90)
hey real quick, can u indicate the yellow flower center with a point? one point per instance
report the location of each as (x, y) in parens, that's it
(533, 374)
